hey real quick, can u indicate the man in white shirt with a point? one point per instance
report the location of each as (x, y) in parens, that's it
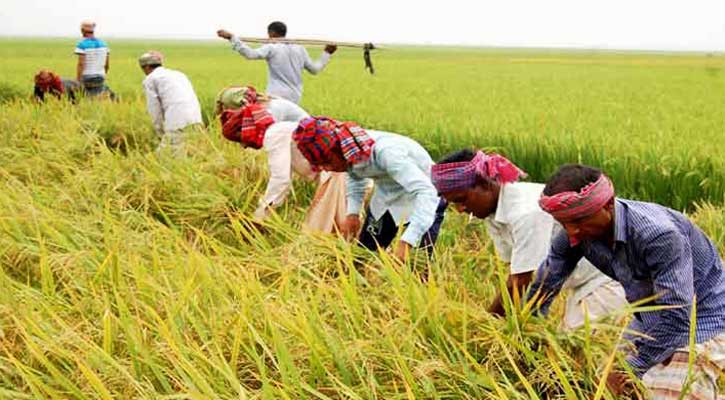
(486, 186)
(171, 103)
(285, 61)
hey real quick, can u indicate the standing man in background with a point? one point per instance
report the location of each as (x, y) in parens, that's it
(285, 61)
(93, 61)
(171, 102)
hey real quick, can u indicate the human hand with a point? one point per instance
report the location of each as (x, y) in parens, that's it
(224, 34)
(402, 251)
(350, 227)
(330, 49)
(617, 382)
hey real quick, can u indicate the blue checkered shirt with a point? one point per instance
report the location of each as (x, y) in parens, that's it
(656, 251)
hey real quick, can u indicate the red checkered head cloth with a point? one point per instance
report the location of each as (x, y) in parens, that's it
(317, 137)
(462, 175)
(569, 206)
(247, 125)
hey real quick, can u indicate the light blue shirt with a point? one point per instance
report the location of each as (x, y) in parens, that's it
(286, 62)
(400, 169)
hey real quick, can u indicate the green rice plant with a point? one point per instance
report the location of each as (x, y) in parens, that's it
(127, 275)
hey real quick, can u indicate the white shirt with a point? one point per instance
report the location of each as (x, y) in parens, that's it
(521, 232)
(283, 110)
(283, 157)
(170, 100)
(285, 64)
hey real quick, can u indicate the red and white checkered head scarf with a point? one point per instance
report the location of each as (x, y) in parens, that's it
(569, 206)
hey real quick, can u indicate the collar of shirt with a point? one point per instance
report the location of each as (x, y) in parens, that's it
(516, 199)
(360, 168)
(620, 222)
(156, 72)
(362, 165)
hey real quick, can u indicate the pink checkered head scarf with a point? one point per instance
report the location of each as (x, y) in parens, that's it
(462, 175)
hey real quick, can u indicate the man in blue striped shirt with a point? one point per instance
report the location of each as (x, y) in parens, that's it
(93, 61)
(655, 253)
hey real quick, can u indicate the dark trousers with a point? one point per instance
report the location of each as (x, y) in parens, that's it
(95, 85)
(379, 233)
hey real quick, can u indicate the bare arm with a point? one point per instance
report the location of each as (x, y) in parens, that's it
(515, 285)
(108, 62)
(79, 66)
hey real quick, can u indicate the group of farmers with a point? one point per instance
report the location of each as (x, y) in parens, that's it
(571, 232)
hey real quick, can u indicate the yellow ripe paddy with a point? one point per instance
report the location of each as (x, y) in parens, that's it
(123, 275)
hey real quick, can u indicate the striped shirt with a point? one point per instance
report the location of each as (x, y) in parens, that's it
(656, 251)
(96, 53)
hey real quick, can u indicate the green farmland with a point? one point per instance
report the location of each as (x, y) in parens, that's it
(125, 275)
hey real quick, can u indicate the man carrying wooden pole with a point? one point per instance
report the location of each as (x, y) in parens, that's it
(285, 61)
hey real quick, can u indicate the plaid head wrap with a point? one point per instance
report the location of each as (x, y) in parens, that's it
(246, 126)
(567, 206)
(462, 175)
(316, 138)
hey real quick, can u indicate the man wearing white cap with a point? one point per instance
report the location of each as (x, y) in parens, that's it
(171, 102)
(93, 61)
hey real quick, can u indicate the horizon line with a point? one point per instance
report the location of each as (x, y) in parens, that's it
(605, 48)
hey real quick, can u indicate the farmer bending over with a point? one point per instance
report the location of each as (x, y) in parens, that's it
(171, 103)
(259, 121)
(486, 186)
(400, 170)
(47, 82)
(654, 252)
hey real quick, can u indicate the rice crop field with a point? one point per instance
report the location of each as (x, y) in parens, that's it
(125, 275)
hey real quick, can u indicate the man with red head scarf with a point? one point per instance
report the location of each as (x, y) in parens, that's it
(47, 82)
(400, 169)
(263, 122)
(659, 257)
(486, 185)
